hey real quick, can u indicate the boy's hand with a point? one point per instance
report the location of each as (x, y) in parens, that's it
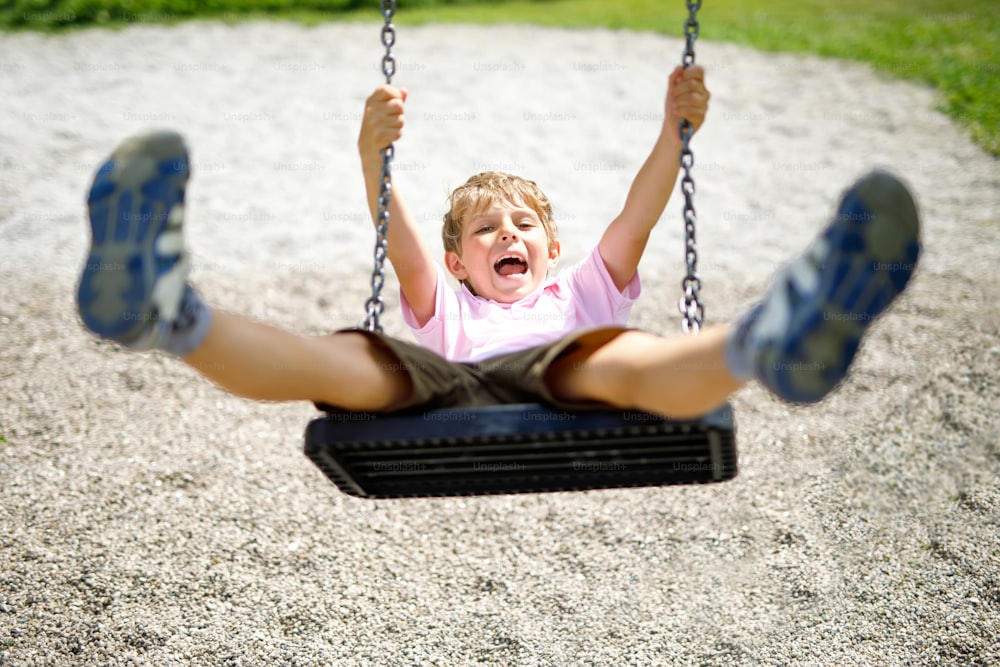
(687, 97)
(383, 121)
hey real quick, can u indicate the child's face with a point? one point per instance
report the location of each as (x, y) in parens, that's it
(505, 252)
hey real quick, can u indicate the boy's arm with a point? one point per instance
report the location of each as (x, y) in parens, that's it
(410, 256)
(625, 239)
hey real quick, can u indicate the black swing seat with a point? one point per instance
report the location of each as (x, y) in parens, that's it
(521, 448)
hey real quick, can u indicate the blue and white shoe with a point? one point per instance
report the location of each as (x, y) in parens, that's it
(801, 339)
(136, 271)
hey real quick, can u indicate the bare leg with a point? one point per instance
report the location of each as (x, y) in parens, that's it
(680, 377)
(259, 361)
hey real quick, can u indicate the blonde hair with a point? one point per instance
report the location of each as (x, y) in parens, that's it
(487, 188)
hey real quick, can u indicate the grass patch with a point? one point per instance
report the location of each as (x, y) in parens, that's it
(953, 45)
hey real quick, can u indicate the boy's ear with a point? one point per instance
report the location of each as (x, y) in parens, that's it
(454, 265)
(554, 251)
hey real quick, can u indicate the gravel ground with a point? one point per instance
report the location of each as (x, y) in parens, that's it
(147, 518)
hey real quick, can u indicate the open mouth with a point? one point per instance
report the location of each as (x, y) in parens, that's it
(510, 265)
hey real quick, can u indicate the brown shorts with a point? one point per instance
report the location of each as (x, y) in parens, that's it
(516, 377)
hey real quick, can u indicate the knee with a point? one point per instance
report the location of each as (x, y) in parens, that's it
(615, 371)
(379, 381)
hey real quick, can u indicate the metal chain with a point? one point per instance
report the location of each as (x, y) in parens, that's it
(690, 305)
(375, 305)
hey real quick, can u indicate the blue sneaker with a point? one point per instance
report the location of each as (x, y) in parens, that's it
(136, 272)
(802, 338)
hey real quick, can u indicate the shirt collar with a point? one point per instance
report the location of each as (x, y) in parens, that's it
(526, 300)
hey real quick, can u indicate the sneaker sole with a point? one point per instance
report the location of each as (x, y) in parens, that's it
(132, 280)
(868, 255)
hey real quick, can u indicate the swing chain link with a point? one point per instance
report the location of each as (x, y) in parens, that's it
(690, 305)
(388, 39)
(375, 305)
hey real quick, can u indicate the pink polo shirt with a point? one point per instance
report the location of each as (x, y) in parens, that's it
(468, 328)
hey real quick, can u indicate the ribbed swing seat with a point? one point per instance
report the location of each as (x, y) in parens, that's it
(519, 448)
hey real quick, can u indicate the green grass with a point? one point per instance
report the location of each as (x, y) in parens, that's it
(953, 45)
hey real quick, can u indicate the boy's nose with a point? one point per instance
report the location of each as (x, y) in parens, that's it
(508, 232)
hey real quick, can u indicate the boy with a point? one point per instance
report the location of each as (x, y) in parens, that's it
(511, 333)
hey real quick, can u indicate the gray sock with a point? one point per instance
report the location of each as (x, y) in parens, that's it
(739, 358)
(191, 325)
